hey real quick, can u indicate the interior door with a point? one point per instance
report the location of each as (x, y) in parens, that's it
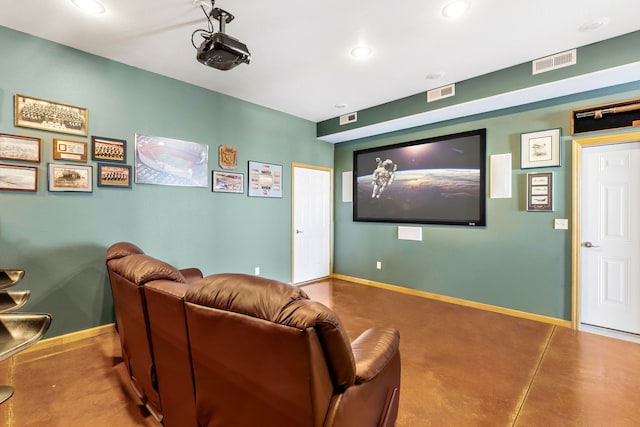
(610, 236)
(312, 223)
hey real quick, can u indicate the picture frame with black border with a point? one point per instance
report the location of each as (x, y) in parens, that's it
(108, 150)
(265, 180)
(540, 149)
(540, 191)
(70, 178)
(227, 182)
(114, 176)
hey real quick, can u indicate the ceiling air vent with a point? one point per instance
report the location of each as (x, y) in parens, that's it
(348, 118)
(553, 62)
(441, 93)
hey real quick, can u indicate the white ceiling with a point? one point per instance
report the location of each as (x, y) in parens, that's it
(301, 63)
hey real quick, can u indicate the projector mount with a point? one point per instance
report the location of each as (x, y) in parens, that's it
(219, 50)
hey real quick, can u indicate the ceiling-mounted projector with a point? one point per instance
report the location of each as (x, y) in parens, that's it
(219, 50)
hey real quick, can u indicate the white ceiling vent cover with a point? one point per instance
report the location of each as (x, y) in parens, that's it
(348, 118)
(553, 62)
(441, 93)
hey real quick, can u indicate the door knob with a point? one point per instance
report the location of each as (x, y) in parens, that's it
(589, 245)
(298, 231)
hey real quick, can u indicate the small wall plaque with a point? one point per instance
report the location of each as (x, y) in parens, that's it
(228, 157)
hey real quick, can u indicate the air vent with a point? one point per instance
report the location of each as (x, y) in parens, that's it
(553, 62)
(441, 93)
(348, 118)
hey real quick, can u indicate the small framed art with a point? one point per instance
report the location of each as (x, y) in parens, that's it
(20, 178)
(540, 149)
(227, 182)
(265, 180)
(108, 149)
(22, 148)
(41, 114)
(540, 191)
(114, 175)
(75, 151)
(70, 178)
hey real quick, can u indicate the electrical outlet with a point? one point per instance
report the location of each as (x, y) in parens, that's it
(379, 265)
(561, 224)
(257, 271)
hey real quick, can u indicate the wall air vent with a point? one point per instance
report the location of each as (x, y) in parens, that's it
(441, 93)
(348, 118)
(553, 62)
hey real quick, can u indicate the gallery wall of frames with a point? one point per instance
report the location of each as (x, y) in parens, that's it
(82, 162)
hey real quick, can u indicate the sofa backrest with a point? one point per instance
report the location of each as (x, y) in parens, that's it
(262, 350)
(128, 274)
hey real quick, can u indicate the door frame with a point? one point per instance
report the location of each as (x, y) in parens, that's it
(577, 146)
(331, 220)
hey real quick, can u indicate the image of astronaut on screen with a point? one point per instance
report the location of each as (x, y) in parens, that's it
(382, 176)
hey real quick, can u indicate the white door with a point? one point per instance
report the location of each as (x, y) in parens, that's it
(312, 213)
(610, 236)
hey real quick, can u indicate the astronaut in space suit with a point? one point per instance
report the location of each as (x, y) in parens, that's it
(382, 176)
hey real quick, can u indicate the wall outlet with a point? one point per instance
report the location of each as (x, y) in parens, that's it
(257, 273)
(561, 224)
(379, 265)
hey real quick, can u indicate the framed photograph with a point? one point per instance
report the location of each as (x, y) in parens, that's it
(227, 182)
(540, 191)
(114, 175)
(75, 151)
(22, 148)
(540, 149)
(265, 180)
(70, 178)
(108, 149)
(41, 114)
(166, 161)
(19, 178)
(440, 180)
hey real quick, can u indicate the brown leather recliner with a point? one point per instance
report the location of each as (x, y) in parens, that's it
(129, 270)
(264, 355)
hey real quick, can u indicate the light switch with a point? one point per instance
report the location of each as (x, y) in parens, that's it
(561, 224)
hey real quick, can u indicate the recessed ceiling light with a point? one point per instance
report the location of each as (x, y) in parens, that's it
(594, 25)
(361, 52)
(90, 6)
(455, 9)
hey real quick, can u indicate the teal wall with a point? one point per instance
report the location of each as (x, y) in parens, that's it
(60, 238)
(518, 261)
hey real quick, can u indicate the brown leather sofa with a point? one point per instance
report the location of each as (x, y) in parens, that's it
(129, 270)
(264, 354)
(238, 350)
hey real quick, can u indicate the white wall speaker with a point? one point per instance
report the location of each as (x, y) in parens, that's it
(500, 176)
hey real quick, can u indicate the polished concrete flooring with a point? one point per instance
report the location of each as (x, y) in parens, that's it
(460, 367)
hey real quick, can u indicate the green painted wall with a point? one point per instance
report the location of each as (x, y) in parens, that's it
(60, 238)
(517, 261)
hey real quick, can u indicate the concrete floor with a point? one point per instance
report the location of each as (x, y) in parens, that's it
(460, 367)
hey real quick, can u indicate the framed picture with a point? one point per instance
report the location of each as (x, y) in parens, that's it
(166, 161)
(114, 175)
(23, 148)
(40, 114)
(75, 151)
(20, 178)
(440, 180)
(70, 178)
(108, 149)
(540, 191)
(227, 182)
(265, 180)
(540, 149)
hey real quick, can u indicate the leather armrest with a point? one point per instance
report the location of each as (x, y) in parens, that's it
(372, 350)
(191, 274)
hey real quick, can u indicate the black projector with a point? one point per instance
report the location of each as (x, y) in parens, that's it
(223, 52)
